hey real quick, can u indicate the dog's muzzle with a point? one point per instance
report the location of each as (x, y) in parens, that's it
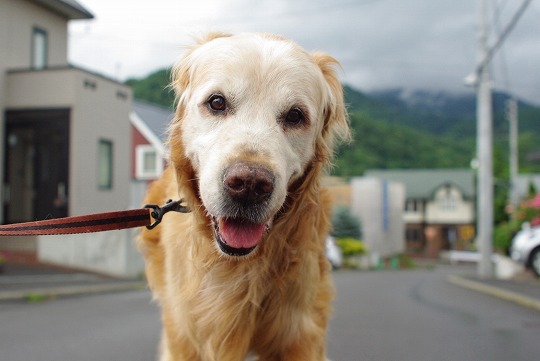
(247, 189)
(248, 184)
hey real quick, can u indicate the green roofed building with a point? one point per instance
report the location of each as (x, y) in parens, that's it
(439, 210)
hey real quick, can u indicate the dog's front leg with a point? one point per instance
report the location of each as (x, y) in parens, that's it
(300, 353)
(312, 349)
(309, 346)
(179, 349)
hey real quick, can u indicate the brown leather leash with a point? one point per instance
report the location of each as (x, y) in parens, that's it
(149, 216)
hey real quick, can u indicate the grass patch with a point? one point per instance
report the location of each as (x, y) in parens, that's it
(38, 297)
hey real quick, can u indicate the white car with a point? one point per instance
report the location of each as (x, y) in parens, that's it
(525, 247)
(333, 253)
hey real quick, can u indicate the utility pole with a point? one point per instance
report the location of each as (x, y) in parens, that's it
(512, 117)
(484, 131)
(484, 135)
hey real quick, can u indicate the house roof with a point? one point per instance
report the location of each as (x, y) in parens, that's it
(68, 8)
(422, 183)
(152, 121)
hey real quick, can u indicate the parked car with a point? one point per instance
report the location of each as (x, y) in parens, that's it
(526, 247)
(333, 252)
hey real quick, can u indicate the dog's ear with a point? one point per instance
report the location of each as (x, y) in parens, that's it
(336, 121)
(182, 69)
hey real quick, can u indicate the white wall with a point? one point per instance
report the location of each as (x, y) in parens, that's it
(381, 214)
(449, 207)
(100, 113)
(99, 109)
(97, 112)
(17, 21)
(113, 252)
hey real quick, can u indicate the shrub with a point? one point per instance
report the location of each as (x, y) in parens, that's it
(345, 224)
(504, 232)
(351, 247)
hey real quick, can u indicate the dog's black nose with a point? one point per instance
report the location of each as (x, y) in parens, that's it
(248, 183)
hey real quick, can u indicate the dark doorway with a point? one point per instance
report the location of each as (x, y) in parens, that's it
(36, 165)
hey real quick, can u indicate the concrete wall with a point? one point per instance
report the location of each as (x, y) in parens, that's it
(113, 253)
(18, 18)
(100, 113)
(17, 21)
(379, 206)
(51, 88)
(99, 110)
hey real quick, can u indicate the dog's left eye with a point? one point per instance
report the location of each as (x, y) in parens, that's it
(295, 117)
(217, 103)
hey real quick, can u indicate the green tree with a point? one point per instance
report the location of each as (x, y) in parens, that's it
(154, 88)
(345, 224)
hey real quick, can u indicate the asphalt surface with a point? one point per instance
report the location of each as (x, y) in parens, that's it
(31, 281)
(418, 315)
(23, 281)
(378, 315)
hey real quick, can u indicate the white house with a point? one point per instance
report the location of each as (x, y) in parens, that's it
(64, 140)
(439, 208)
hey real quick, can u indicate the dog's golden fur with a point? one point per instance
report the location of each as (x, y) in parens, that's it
(274, 303)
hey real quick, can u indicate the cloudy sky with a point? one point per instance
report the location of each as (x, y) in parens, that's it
(414, 44)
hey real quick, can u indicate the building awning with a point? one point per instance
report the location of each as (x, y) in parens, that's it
(71, 9)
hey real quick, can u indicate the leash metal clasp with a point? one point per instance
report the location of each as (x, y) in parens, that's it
(158, 212)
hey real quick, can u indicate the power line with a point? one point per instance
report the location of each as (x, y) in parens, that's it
(504, 66)
(511, 24)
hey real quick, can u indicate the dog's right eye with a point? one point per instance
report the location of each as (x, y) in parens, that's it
(217, 103)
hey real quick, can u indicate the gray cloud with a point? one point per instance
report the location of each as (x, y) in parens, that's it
(380, 43)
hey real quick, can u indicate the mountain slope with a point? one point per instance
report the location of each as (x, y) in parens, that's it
(452, 118)
(397, 129)
(380, 144)
(154, 88)
(454, 113)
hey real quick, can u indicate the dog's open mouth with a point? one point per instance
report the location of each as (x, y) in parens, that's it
(236, 236)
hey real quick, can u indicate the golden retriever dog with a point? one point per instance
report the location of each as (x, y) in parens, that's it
(245, 273)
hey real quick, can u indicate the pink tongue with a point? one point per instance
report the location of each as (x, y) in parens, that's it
(241, 235)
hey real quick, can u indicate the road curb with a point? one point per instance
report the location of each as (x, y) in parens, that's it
(70, 290)
(495, 292)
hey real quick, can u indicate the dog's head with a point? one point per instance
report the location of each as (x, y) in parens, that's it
(254, 113)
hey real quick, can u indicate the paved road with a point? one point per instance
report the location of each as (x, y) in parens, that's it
(107, 327)
(408, 315)
(418, 315)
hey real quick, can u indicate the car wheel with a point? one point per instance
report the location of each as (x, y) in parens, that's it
(535, 261)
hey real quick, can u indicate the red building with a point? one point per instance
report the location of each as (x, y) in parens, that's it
(148, 153)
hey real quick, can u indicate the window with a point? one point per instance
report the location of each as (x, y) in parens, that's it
(105, 164)
(412, 234)
(149, 164)
(39, 48)
(448, 199)
(448, 203)
(414, 205)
